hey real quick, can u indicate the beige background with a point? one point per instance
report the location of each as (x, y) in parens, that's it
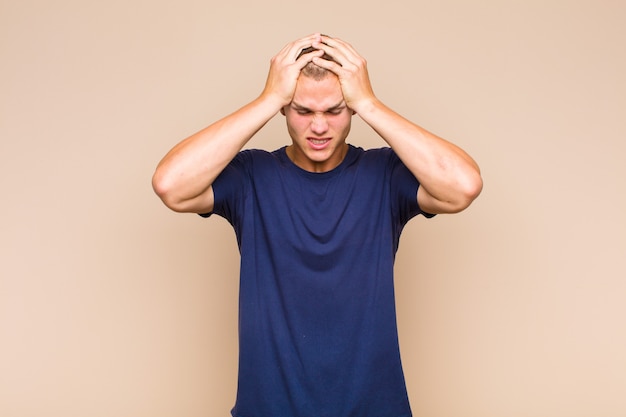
(110, 305)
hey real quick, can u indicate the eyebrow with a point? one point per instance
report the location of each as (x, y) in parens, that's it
(335, 107)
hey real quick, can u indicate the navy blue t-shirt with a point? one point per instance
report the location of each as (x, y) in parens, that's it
(317, 319)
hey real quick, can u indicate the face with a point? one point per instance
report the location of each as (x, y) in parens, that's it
(318, 122)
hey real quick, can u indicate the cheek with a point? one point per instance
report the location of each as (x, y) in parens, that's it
(340, 124)
(298, 123)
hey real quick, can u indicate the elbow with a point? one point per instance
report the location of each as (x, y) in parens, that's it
(178, 196)
(454, 198)
(465, 192)
(474, 186)
(164, 189)
(469, 190)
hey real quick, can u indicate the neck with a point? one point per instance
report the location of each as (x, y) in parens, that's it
(314, 166)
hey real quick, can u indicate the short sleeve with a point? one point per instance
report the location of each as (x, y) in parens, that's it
(231, 185)
(404, 186)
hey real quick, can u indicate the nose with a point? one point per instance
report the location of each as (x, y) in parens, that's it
(319, 123)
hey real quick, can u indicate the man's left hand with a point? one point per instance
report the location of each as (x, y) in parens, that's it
(350, 68)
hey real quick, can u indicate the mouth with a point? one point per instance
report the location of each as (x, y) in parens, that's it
(318, 143)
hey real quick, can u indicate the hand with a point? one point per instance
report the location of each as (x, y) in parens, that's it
(285, 68)
(350, 68)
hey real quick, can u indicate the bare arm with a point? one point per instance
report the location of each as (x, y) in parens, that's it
(184, 176)
(449, 178)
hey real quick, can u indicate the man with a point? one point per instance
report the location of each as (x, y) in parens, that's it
(318, 224)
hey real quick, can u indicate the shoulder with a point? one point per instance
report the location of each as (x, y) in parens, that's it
(375, 157)
(252, 159)
(381, 153)
(250, 155)
(385, 153)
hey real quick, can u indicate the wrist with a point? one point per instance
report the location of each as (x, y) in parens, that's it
(273, 100)
(366, 106)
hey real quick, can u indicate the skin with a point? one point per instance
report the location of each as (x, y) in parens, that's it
(318, 121)
(318, 115)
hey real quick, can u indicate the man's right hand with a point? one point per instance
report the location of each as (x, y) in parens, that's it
(285, 68)
(184, 177)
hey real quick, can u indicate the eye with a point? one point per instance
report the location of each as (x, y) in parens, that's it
(303, 112)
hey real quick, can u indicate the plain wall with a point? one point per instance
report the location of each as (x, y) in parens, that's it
(111, 305)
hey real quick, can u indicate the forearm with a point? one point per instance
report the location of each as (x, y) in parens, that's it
(183, 178)
(450, 179)
(188, 170)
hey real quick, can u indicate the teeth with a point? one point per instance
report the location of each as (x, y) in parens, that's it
(318, 141)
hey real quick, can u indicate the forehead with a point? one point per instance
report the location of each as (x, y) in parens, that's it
(318, 95)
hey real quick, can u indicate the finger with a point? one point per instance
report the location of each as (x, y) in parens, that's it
(338, 43)
(308, 56)
(337, 54)
(340, 50)
(290, 51)
(341, 61)
(296, 47)
(332, 66)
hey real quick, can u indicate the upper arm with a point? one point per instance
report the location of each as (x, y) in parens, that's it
(200, 203)
(428, 203)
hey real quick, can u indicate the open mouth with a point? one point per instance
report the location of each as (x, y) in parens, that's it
(317, 143)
